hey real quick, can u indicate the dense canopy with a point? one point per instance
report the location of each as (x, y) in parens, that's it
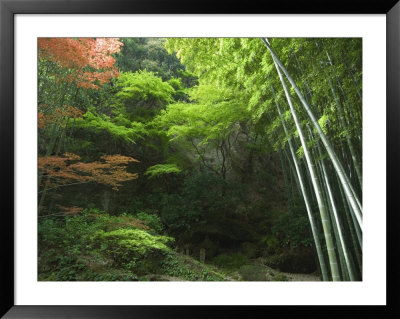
(200, 159)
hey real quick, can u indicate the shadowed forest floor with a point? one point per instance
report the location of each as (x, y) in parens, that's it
(253, 270)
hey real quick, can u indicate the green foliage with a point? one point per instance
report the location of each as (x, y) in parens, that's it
(118, 128)
(151, 220)
(292, 228)
(270, 244)
(162, 169)
(230, 261)
(212, 122)
(176, 84)
(189, 269)
(323, 121)
(143, 86)
(300, 152)
(204, 192)
(281, 277)
(180, 92)
(310, 144)
(199, 196)
(128, 246)
(275, 261)
(206, 125)
(178, 213)
(97, 246)
(149, 54)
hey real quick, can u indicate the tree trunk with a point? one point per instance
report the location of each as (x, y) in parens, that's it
(326, 224)
(349, 191)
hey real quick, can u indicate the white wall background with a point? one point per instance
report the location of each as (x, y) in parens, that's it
(372, 28)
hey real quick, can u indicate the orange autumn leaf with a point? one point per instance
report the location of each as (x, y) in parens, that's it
(70, 211)
(90, 60)
(59, 113)
(65, 169)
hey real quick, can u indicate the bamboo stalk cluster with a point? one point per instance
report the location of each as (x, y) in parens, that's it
(336, 180)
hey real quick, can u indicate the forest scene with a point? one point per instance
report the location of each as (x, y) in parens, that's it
(199, 159)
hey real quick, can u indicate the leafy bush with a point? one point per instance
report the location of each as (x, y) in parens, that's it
(89, 245)
(189, 269)
(143, 85)
(61, 242)
(162, 169)
(126, 246)
(151, 220)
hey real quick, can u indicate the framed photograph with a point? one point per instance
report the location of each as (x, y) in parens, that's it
(173, 159)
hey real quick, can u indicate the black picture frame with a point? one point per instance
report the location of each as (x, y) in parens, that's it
(8, 8)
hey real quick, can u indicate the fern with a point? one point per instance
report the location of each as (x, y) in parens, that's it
(161, 169)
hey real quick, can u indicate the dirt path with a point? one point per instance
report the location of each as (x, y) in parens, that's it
(301, 277)
(256, 271)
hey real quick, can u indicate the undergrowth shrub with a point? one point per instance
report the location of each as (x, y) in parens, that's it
(230, 261)
(90, 245)
(292, 228)
(187, 268)
(127, 246)
(151, 220)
